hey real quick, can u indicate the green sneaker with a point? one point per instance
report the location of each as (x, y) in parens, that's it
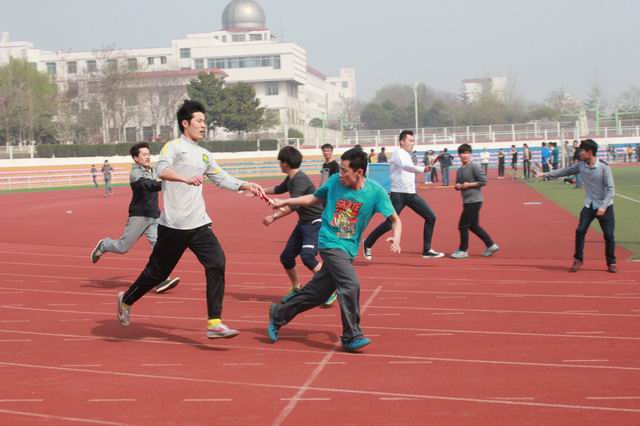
(331, 299)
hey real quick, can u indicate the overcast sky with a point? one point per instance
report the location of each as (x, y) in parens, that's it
(545, 44)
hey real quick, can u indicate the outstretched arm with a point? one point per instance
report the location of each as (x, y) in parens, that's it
(306, 200)
(396, 225)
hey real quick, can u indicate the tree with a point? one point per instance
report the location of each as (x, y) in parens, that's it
(209, 91)
(242, 112)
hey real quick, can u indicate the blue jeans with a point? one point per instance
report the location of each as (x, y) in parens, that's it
(303, 242)
(445, 176)
(607, 224)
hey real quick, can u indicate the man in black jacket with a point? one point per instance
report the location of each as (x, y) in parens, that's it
(143, 211)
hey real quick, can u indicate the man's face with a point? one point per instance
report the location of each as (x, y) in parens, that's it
(143, 158)
(196, 128)
(465, 157)
(327, 153)
(349, 177)
(408, 143)
(585, 155)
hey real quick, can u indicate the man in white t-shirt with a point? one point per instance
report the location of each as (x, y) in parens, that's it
(403, 194)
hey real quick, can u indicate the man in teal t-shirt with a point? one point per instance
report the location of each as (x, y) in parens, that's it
(351, 201)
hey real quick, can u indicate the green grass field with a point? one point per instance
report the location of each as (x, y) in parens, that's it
(627, 210)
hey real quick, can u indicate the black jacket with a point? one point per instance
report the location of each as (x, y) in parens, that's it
(145, 187)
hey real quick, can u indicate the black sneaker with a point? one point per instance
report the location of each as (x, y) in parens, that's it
(97, 252)
(167, 285)
(367, 252)
(432, 254)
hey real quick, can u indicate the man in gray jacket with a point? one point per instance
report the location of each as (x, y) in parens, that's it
(599, 187)
(469, 181)
(184, 223)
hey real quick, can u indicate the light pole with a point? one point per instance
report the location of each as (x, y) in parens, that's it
(415, 98)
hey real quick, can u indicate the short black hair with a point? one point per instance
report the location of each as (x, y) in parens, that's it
(187, 110)
(589, 145)
(358, 146)
(135, 150)
(357, 159)
(291, 156)
(382, 149)
(327, 146)
(544, 144)
(465, 147)
(404, 133)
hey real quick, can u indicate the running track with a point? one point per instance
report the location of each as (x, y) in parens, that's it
(511, 339)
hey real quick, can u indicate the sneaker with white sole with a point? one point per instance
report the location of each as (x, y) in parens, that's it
(459, 254)
(331, 299)
(167, 285)
(356, 344)
(490, 250)
(123, 311)
(432, 254)
(367, 252)
(221, 331)
(97, 252)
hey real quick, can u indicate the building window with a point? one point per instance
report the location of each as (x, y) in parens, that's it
(72, 67)
(238, 37)
(273, 89)
(112, 64)
(51, 68)
(150, 60)
(224, 39)
(132, 64)
(92, 87)
(199, 64)
(163, 60)
(147, 133)
(185, 53)
(255, 37)
(245, 62)
(92, 66)
(345, 85)
(130, 134)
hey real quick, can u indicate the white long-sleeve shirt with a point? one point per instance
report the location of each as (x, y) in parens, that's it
(184, 206)
(403, 172)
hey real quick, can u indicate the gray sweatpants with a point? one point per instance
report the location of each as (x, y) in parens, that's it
(337, 274)
(135, 227)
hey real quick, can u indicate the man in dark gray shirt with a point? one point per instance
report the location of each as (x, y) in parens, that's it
(303, 241)
(446, 161)
(469, 179)
(599, 187)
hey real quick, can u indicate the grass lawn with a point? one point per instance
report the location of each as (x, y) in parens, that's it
(627, 209)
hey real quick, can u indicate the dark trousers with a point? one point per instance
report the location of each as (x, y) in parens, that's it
(445, 176)
(337, 274)
(470, 221)
(434, 175)
(545, 166)
(500, 169)
(418, 205)
(302, 242)
(168, 250)
(607, 224)
(485, 168)
(526, 164)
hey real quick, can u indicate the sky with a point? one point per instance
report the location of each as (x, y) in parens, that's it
(542, 45)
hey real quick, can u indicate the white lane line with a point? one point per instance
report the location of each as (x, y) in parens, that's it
(244, 364)
(514, 398)
(586, 332)
(451, 297)
(207, 400)
(62, 304)
(627, 198)
(75, 320)
(78, 339)
(327, 363)
(393, 298)
(447, 313)
(605, 398)
(21, 400)
(585, 360)
(434, 334)
(49, 282)
(305, 399)
(81, 365)
(397, 399)
(383, 315)
(344, 391)
(11, 292)
(12, 321)
(580, 312)
(160, 365)
(14, 340)
(155, 338)
(69, 419)
(410, 362)
(113, 400)
(316, 372)
(14, 281)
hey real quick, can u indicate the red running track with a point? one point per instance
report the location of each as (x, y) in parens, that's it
(506, 340)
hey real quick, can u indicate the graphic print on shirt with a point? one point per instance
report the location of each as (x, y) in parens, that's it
(345, 218)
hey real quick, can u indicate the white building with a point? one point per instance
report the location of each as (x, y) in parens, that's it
(244, 50)
(474, 88)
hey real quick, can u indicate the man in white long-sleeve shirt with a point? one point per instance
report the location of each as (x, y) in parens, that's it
(184, 223)
(403, 194)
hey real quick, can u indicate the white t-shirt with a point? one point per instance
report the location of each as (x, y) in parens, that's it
(403, 172)
(484, 157)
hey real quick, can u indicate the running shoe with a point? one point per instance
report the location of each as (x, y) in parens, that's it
(432, 254)
(367, 252)
(490, 250)
(123, 311)
(272, 328)
(221, 331)
(167, 285)
(290, 295)
(331, 299)
(97, 252)
(612, 268)
(356, 345)
(577, 264)
(459, 254)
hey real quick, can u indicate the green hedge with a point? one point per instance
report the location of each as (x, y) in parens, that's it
(110, 150)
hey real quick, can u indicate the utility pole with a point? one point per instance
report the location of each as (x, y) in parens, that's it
(415, 97)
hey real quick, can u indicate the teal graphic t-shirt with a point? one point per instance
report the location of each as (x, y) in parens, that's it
(348, 212)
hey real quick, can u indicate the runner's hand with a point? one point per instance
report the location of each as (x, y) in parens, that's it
(395, 245)
(195, 181)
(268, 220)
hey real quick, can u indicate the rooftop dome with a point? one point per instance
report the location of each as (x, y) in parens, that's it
(243, 15)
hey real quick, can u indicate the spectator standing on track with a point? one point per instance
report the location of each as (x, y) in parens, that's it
(545, 157)
(501, 158)
(184, 222)
(106, 171)
(484, 161)
(403, 194)
(526, 161)
(427, 163)
(446, 161)
(629, 153)
(576, 159)
(555, 156)
(469, 181)
(382, 157)
(598, 202)
(303, 241)
(94, 175)
(351, 201)
(435, 166)
(372, 156)
(514, 162)
(143, 212)
(330, 166)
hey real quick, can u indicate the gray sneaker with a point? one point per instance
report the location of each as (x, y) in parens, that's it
(490, 250)
(459, 254)
(167, 285)
(123, 311)
(97, 252)
(367, 252)
(221, 331)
